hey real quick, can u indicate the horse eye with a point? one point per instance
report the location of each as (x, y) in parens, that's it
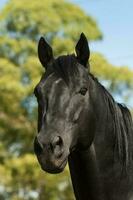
(83, 91)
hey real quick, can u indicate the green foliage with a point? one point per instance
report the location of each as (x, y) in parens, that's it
(49, 17)
(22, 23)
(23, 179)
(117, 79)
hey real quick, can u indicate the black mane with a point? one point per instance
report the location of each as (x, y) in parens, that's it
(122, 126)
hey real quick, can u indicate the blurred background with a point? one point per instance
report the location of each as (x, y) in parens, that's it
(108, 26)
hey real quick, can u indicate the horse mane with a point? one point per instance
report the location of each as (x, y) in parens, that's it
(122, 127)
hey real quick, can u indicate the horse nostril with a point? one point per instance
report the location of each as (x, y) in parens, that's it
(37, 146)
(57, 141)
(56, 146)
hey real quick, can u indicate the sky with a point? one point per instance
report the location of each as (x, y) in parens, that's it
(115, 20)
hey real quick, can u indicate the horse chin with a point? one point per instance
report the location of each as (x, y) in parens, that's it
(54, 169)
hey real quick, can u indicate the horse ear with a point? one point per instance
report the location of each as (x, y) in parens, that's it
(45, 52)
(82, 50)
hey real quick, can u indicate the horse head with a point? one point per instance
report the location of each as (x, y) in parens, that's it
(63, 105)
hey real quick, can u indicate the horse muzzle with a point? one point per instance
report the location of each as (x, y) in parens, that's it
(51, 157)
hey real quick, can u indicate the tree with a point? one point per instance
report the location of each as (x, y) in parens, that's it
(118, 80)
(22, 23)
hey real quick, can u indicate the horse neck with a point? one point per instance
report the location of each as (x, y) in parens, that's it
(102, 116)
(113, 127)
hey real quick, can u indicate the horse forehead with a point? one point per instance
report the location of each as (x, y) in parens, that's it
(49, 83)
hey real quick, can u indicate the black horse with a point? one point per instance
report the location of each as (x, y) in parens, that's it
(79, 122)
